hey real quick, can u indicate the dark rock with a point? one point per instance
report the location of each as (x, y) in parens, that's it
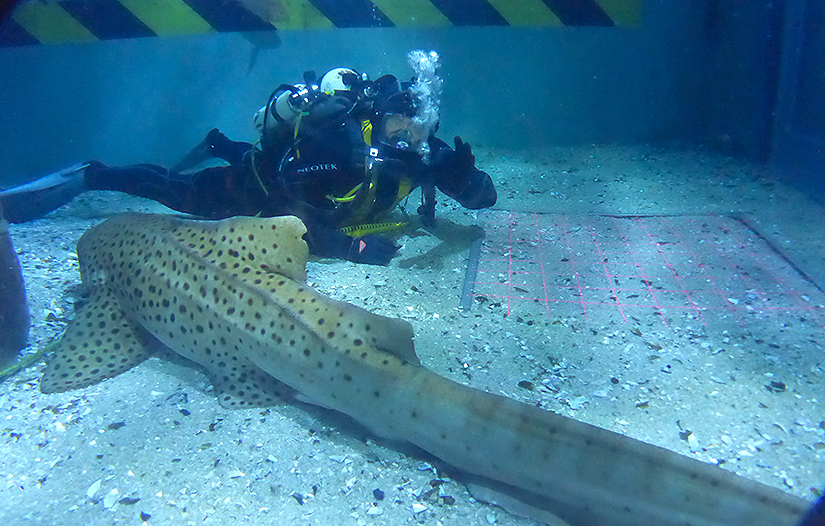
(14, 311)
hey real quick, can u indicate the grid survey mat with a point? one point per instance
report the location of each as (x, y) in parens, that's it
(707, 269)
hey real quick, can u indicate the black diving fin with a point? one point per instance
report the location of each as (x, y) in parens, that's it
(35, 199)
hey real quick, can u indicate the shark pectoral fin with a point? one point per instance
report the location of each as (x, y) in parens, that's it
(248, 386)
(515, 506)
(271, 244)
(99, 343)
(392, 335)
(304, 399)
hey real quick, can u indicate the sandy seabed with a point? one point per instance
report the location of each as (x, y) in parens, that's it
(153, 445)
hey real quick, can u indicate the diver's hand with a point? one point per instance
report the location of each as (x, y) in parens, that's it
(455, 174)
(372, 249)
(452, 168)
(463, 159)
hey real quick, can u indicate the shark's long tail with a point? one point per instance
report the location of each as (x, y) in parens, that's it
(582, 473)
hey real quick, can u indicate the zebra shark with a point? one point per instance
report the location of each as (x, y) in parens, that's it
(231, 296)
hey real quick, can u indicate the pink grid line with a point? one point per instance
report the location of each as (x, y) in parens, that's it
(708, 266)
(724, 302)
(644, 280)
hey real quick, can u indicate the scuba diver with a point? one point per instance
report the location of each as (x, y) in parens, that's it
(340, 154)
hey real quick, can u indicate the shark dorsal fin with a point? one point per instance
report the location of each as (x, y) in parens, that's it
(391, 335)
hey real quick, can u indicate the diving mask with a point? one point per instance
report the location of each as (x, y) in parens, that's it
(405, 133)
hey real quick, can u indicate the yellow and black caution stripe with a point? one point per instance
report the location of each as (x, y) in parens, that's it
(35, 22)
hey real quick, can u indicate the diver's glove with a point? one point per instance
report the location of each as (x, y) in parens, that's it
(457, 176)
(454, 167)
(372, 249)
(463, 158)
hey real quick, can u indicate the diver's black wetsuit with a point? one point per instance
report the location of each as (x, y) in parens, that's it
(327, 168)
(301, 179)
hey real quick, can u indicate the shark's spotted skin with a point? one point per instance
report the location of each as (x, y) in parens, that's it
(230, 296)
(146, 270)
(100, 343)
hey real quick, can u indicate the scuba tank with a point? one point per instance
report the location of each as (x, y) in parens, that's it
(281, 115)
(294, 111)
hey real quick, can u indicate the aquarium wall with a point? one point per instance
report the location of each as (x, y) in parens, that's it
(744, 41)
(671, 71)
(799, 139)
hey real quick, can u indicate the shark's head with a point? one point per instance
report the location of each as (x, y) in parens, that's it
(139, 268)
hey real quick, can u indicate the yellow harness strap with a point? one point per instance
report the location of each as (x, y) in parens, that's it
(366, 131)
(366, 207)
(349, 196)
(255, 169)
